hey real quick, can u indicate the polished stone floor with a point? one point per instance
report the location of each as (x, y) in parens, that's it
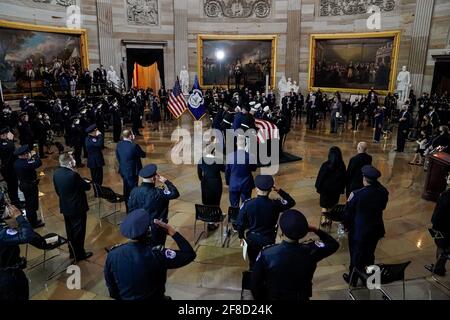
(216, 272)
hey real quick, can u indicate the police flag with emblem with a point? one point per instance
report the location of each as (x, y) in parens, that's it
(196, 103)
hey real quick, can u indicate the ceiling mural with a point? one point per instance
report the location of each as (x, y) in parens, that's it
(237, 8)
(351, 7)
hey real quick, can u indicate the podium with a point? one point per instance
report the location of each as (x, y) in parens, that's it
(435, 182)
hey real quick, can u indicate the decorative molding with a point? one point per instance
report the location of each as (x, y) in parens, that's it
(352, 7)
(64, 3)
(142, 12)
(237, 8)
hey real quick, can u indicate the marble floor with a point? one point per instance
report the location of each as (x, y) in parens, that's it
(216, 272)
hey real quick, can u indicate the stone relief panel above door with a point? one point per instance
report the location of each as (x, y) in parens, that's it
(237, 8)
(142, 12)
(352, 7)
(65, 3)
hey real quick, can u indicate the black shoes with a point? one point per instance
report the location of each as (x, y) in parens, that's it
(38, 224)
(346, 277)
(430, 267)
(212, 227)
(87, 255)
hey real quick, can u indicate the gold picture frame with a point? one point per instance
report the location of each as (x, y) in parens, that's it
(202, 37)
(342, 36)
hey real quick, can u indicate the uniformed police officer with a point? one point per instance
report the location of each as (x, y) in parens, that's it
(13, 282)
(363, 218)
(285, 271)
(25, 167)
(129, 155)
(25, 134)
(138, 271)
(7, 157)
(154, 200)
(260, 216)
(94, 144)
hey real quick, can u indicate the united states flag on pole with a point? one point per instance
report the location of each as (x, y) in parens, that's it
(177, 104)
(266, 130)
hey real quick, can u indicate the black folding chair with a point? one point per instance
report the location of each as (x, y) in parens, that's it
(208, 214)
(246, 282)
(436, 235)
(389, 273)
(110, 196)
(233, 214)
(335, 215)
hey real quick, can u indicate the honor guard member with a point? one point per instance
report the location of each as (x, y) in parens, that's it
(7, 158)
(285, 271)
(239, 114)
(138, 271)
(94, 144)
(260, 216)
(154, 200)
(129, 155)
(13, 282)
(363, 218)
(25, 167)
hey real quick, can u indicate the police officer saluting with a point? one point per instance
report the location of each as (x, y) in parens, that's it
(154, 200)
(25, 167)
(285, 271)
(13, 282)
(260, 215)
(363, 218)
(7, 157)
(138, 271)
(94, 145)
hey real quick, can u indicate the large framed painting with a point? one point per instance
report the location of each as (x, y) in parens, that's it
(235, 61)
(30, 54)
(354, 62)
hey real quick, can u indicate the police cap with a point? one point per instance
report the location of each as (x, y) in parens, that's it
(148, 171)
(370, 172)
(4, 130)
(293, 224)
(264, 182)
(135, 224)
(91, 128)
(21, 150)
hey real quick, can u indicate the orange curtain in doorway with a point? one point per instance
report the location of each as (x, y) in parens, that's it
(146, 77)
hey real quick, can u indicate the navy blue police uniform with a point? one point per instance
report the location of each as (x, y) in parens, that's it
(7, 158)
(404, 124)
(238, 176)
(13, 282)
(138, 271)
(285, 271)
(154, 200)
(95, 160)
(129, 156)
(363, 218)
(28, 182)
(260, 216)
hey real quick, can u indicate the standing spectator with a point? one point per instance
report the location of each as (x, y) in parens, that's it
(356, 163)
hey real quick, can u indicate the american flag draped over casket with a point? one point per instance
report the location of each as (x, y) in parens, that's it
(266, 130)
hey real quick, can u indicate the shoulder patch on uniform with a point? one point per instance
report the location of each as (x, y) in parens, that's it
(243, 203)
(170, 254)
(319, 244)
(350, 197)
(116, 246)
(167, 191)
(11, 232)
(283, 201)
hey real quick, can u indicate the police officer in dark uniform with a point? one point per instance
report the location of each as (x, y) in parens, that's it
(154, 200)
(75, 139)
(363, 218)
(7, 158)
(285, 271)
(404, 124)
(260, 216)
(138, 271)
(135, 115)
(25, 133)
(94, 144)
(13, 282)
(25, 167)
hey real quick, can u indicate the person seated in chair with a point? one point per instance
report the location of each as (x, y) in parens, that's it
(138, 271)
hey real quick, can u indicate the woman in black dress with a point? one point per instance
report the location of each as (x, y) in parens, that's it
(156, 115)
(330, 183)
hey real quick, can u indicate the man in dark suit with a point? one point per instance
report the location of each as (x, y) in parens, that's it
(238, 174)
(71, 190)
(94, 144)
(363, 218)
(7, 158)
(354, 174)
(404, 124)
(129, 156)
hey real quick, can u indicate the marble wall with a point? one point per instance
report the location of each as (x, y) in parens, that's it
(180, 21)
